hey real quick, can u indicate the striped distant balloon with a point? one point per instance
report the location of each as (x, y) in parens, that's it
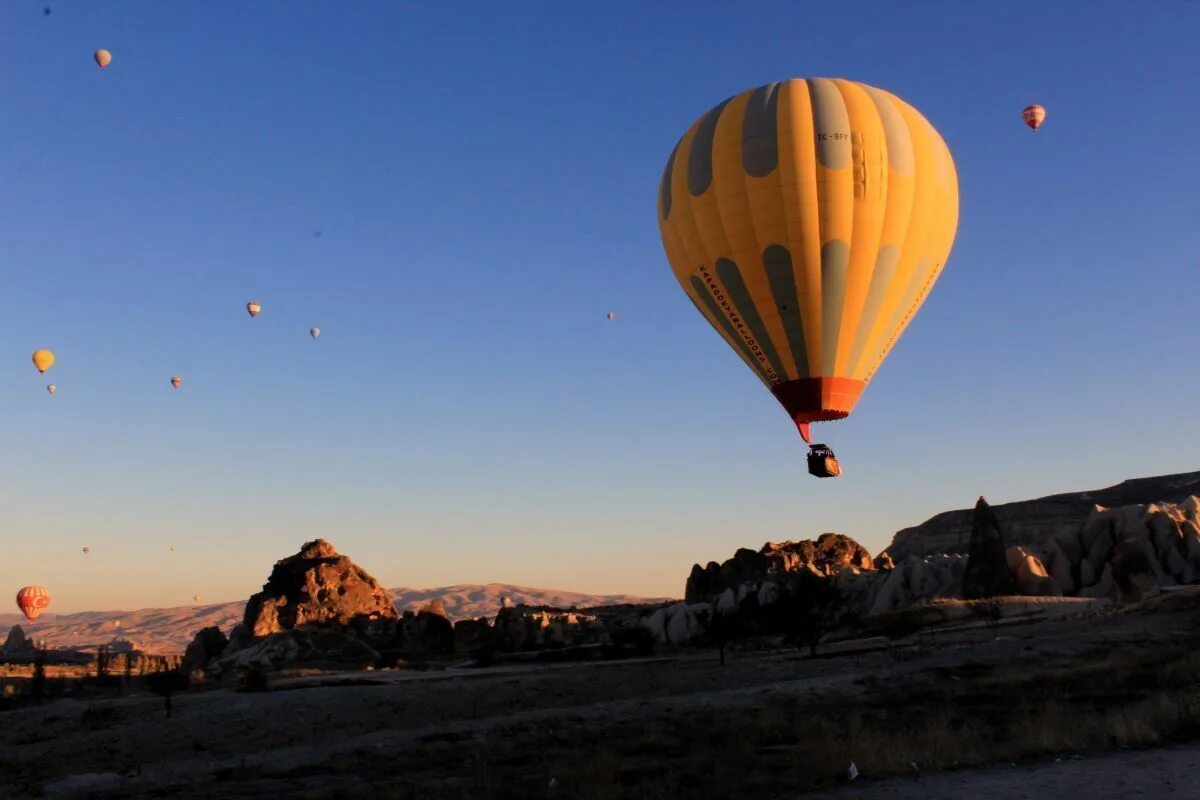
(33, 600)
(1034, 116)
(807, 220)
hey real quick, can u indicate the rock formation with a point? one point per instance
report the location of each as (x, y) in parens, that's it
(987, 573)
(1038, 522)
(317, 586)
(527, 628)
(209, 643)
(828, 555)
(17, 643)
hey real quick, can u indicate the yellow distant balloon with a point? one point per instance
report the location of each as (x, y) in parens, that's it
(43, 360)
(807, 220)
(103, 58)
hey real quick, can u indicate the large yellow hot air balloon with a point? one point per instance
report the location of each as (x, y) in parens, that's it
(807, 221)
(43, 360)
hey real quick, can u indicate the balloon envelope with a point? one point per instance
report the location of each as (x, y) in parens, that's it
(253, 307)
(43, 360)
(103, 58)
(610, 315)
(32, 600)
(177, 381)
(1034, 116)
(52, 388)
(807, 220)
(87, 550)
(315, 332)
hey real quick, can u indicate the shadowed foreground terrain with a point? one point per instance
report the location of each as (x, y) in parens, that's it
(770, 724)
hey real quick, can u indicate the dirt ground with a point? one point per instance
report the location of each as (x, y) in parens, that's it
(1168, 772)
(767, 725)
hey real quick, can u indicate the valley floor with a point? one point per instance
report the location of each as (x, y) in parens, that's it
(765, 726)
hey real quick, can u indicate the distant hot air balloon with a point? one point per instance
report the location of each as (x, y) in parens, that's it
(52, 388)
(610, 315)
(253, 307)
(87, 550)
(43, 360)
(103, 58)
(177, 381)
(33, 600)
(807, 220)
(1034, 116)
(315, 332)
(172, 549)
(196, 598)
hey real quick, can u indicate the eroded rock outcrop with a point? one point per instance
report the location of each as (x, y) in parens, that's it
(829, 554)
(317, 586)
(207, 644)
(17, 643)
(1035, 523)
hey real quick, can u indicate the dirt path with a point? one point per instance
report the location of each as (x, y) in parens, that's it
(1170, 772)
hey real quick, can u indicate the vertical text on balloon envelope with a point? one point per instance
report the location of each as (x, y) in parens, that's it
(736, 320)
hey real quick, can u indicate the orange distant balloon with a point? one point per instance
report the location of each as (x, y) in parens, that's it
(32, 600)
(176, 381)
(103, 58)
(43, 360)
(1034, 116)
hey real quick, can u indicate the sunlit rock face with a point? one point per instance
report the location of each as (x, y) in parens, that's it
(317, 586)
(1127, 553)
(829, 554)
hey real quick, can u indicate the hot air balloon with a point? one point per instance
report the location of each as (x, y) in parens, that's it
(172, 549)
(103, 58)
(1034, 116)
(52, 388)
(177, 381)
(43, 360)
(33, 600)
(610, 315)
(253, 307)
(807, 220)
(314, 332)
(196, 598)
(87, 550)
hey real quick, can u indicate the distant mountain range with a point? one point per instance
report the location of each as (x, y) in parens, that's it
(169, 630)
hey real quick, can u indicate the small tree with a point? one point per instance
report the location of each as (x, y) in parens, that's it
(720, 632)
(166, 683)
(814, 607)
(103, 665)
(39, 674)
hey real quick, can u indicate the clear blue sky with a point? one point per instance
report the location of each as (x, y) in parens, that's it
(484, 178)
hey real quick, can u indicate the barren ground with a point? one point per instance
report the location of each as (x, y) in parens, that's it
(769, 725)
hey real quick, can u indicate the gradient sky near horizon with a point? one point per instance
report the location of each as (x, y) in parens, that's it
(483, 177)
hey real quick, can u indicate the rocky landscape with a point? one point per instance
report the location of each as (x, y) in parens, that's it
(779, 668)
(169, 630)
